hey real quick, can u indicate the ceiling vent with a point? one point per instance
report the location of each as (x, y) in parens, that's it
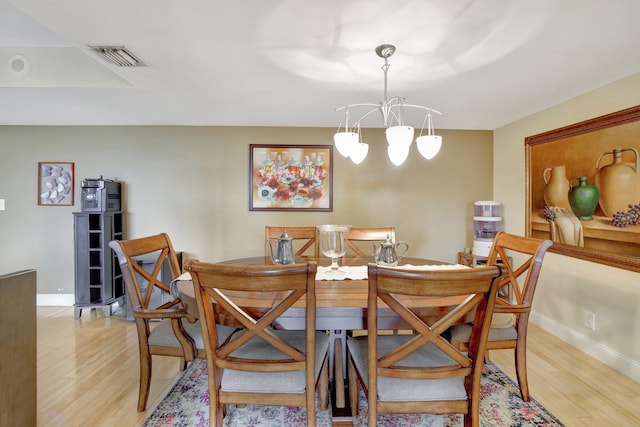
(118, 55)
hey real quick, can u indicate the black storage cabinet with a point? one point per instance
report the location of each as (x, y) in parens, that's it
(98, 280)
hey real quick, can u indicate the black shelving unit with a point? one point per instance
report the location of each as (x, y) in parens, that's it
(98, 280)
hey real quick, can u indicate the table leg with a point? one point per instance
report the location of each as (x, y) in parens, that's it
(339, 373)
(333, 335)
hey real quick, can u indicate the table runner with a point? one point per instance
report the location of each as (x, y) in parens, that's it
(359, 272)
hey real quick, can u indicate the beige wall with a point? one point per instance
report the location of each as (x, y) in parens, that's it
(192, 182)
(569, 286)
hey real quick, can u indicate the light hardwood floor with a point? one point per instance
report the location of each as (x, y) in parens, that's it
(88, 375)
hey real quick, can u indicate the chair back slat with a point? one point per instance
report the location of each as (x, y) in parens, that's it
(520, 259)
(141, 277)
(520, 275)
(426, 359)
(226, 285)
(475, 288)
(141, 262)
(358, 235)
(241, 366)
(305, 239)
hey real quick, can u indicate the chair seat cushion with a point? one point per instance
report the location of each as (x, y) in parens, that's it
(162, 334)
(462, 333)
(273, 382)
(503, 320)
(393, 389)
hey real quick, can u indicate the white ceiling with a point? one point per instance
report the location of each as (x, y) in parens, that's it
(482, 63)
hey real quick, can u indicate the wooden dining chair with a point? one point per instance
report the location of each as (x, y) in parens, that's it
(305, 241)
(357, 234)
(258, 364)
(422, 373)
(517, 287)
(174, 335)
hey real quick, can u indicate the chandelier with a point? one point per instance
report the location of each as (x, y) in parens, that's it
(399, 136)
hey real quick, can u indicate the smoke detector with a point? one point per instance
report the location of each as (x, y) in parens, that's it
(118, 55)
(19, 65)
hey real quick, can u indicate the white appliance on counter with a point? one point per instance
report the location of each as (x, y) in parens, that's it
(487, 222)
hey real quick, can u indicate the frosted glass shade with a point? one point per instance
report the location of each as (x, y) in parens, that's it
(359, 152)
(398, 153)
(344, 142)
(429, 145)
(399, 135)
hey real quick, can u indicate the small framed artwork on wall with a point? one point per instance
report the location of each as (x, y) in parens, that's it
(55, 183)
(291, 178)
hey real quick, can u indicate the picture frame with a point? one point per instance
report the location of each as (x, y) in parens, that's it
(604, 150)
(290, 177)
(55, 183)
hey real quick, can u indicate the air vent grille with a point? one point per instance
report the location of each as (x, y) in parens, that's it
(118, 55)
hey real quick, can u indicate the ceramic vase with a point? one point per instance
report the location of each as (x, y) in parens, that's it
(583, 198)
(618, 182)
(556, 188)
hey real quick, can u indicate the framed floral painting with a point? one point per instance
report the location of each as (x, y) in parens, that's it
(291, 177)
(55, 183)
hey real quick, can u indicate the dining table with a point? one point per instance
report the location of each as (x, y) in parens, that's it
(341, 303)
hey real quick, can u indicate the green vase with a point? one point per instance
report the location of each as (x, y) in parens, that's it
(583, 198)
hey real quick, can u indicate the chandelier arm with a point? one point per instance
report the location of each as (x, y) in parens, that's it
(369, 104)
(396, 101)
(391, 114)
(422, 108)
(357, 122)
(366, 104)
(390, 108)
(365, 115)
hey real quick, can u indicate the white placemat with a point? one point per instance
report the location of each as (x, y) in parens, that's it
(358, 272)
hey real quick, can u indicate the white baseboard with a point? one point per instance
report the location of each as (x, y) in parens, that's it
(62, 300)
(604, 354)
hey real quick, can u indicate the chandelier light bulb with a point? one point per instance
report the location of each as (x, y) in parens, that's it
(429, 145)
(399, 135)
(345, 141)
(359, 152)
(398, 153)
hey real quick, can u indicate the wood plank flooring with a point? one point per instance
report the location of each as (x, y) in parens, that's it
(88, 375)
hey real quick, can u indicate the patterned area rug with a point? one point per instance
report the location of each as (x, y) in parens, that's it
(187, 404)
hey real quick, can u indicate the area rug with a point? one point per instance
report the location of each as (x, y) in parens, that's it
(187, 404)
(500, 406)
